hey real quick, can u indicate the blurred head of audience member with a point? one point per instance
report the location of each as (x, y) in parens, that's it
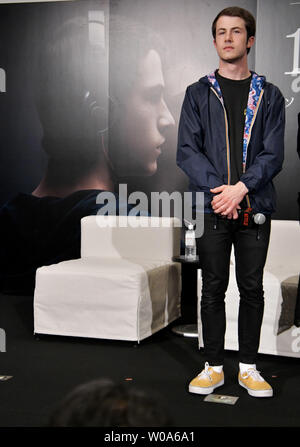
(103, 403)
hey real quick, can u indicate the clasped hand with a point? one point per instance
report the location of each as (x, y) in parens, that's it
(228, 198)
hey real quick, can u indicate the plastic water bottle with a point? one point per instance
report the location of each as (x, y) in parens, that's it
(190, 243)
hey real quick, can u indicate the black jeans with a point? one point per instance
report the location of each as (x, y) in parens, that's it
(214, 249)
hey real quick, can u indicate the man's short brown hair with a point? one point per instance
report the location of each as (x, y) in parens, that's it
(235, 11)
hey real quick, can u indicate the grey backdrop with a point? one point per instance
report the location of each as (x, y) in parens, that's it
(185, 28)
(277, 19)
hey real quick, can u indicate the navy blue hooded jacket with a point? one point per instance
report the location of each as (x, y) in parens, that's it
(203, 143)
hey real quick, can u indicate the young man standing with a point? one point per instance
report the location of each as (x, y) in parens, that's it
(230, 144)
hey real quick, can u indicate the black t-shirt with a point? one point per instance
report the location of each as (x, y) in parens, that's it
(235, 95)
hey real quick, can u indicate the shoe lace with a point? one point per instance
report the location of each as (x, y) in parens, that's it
(205, 372)
(251, 372)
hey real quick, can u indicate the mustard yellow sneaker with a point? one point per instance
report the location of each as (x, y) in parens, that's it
(255, 384)
(206, 381)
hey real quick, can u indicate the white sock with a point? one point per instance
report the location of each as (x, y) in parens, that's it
(245, 366)
(218, 368)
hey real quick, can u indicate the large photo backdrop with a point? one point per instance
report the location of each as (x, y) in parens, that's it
(55, 105)
(94, 88)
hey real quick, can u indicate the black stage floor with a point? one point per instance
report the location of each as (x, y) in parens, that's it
(45, 370)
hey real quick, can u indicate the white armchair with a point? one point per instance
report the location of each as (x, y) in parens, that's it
(125, 286)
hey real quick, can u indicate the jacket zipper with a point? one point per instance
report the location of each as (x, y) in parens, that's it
(250, 131)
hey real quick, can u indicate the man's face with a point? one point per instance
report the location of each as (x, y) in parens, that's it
(231, 39)
(145, 117)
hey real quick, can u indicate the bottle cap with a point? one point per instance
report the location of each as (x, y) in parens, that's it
(190, 226)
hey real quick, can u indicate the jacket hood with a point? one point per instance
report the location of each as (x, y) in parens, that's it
(210, 79)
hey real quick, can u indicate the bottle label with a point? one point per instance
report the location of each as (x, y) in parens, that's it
(190, 238)
(189, 241)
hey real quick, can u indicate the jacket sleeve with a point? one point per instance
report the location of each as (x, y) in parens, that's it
(268, 162)
(190, 154)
